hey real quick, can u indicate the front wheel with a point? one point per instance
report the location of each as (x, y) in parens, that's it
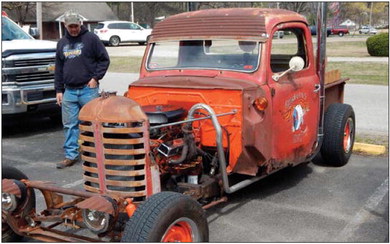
(114, 41)
(339, 134)
(7, 234)
(167, 217)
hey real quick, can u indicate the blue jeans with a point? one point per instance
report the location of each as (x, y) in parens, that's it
(72, 101)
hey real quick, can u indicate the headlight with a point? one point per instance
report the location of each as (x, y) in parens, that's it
(9, 202)
(96, 221)
(99, 213)
(13, 194)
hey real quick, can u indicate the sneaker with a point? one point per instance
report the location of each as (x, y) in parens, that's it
(66, 163)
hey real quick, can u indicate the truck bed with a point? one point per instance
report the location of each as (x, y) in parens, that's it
(334, 87)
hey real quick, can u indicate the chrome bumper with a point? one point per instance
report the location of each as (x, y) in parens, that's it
(16, 99)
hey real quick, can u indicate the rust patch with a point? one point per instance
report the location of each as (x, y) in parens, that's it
(9, 186)
(235, 23)
(114, 148)
(98, 203)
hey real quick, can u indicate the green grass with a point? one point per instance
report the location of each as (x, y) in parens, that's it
(346, 49)
(125, 64)
(333, 49)
(371, 73)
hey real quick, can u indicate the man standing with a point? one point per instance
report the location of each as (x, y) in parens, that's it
(81, 61)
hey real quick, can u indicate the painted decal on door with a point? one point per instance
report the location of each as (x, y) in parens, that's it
(295, 109)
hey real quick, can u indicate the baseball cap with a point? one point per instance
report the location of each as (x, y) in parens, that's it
(72, 17)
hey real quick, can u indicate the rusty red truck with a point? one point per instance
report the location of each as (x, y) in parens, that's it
(218, 105)
(339, 30)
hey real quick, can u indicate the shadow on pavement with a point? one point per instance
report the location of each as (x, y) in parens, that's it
(22, 126)
(279, 181)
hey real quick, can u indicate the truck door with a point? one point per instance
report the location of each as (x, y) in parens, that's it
(295, 96)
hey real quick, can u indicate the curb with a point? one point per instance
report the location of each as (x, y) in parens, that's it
(370, 149)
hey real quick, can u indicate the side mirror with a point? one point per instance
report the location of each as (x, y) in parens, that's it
(34, 32)
(296, 64)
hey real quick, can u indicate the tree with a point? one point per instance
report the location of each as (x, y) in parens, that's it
(20, 8)
(359, 12)
(299, 7)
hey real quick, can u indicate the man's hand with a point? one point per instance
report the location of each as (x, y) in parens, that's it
(92, 83)
(59, 98)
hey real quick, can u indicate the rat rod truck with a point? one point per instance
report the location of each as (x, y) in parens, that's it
(218, 106)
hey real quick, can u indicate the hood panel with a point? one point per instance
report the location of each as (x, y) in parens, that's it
(195, 82)
(27, 45)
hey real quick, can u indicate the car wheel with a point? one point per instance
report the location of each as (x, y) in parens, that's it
(167, 217)
(141, 43)
(339, 134)
(7, 234)
(360, 32)
(341, 34)
(114, 41)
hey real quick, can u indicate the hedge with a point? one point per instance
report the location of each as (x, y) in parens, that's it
(378, 45)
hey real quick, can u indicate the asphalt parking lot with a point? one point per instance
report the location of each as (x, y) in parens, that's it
(308, 203)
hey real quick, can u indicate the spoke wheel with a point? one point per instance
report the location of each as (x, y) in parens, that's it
(114, 41)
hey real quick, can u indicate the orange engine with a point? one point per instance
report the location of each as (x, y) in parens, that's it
(240, 147)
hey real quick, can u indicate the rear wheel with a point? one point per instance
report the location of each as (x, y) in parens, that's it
(167, 217)
(114, 41)
(339, 134)
(341, 34)
(8, 235)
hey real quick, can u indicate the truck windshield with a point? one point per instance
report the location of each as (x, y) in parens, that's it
(11, 31)
(233, 55)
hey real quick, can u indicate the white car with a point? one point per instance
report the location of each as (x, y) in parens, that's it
(116, 32)
(368, 30)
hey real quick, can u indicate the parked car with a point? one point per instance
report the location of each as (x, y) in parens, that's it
(27, 73)
(145, 26)
(340, 31)
(116, 32)
(313, 30)
(368, 30)
(280, 33)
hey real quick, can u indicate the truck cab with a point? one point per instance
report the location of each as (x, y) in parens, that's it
(27, 72)
(240, 67)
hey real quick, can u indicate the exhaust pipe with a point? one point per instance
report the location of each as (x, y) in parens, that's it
(320, 66)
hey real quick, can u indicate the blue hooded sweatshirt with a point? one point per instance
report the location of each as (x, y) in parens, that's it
(79, 59)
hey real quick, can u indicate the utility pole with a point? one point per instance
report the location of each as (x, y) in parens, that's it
(278, 6)
(192, 6)
(372, 4)
(132, 12)
(39, 19)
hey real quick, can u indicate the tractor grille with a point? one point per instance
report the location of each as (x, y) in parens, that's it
(114, 158)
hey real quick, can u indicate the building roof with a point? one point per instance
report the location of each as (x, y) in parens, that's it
(238, 23)
(92, 11)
